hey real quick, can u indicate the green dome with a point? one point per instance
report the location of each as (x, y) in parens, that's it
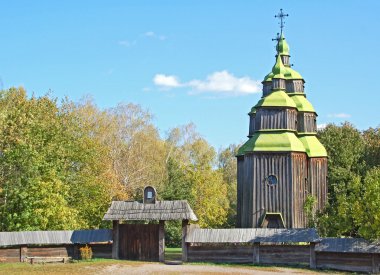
(272, 142)
(282, 46)
(303, 105)
(313, 146)
(292, 74)
(277, 98)
(279, 70)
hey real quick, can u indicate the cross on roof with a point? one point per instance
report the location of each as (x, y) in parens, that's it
(281, 15)
(278, 38)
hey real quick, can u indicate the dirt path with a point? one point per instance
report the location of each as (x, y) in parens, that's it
(155, 269)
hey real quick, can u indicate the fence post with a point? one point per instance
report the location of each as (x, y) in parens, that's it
(185, 226)
(161, 241)
(115, 239)
(23, 253)
(313, 262)
(375, 264)
(256, 253)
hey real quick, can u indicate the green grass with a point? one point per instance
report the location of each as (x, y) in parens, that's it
(173, 254)
(73, 268)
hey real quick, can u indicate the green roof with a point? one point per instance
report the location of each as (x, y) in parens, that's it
(268, 77)
(272, 142)
(292, 74)
(303, 105)
(253, 110)
(277, 98)
(279, 70)
(282, 46)
(313, 146)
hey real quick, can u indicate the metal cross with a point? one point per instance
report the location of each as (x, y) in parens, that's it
(281, 15)
(278, 38)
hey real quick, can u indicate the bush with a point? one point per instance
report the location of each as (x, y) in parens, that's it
(85, 252)
(173, 234)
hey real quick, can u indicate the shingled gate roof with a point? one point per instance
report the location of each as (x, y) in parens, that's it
(251, 235)
(160, 210)
(55, 237)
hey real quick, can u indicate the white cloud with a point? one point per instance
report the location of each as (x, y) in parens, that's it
(221, 82)
(166, 81)
(148, 34)
(127, 43)
(321, 126)
(151, 34)
(340, 115)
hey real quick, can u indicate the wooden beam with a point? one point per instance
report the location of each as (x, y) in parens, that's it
(185, 226)
(375, 263)
(161, 241)
(313, 259)
(256, 253)
(115, 238)
(23, 253)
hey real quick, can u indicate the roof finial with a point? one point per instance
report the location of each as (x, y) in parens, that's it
(281, 15)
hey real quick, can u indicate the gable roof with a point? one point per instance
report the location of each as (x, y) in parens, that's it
(160, 210)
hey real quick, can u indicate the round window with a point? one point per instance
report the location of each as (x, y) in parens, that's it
(272, 180)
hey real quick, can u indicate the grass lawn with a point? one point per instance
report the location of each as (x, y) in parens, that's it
(105, 266)
(173, 254)
(74, 268)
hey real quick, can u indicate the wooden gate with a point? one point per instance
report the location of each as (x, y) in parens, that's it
(139, 242)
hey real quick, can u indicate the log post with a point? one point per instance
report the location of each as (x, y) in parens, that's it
(185, 226)
(161, 241)
(256, 253)
(313, 262)
(23, 253)
(115, 239)
(375, 263)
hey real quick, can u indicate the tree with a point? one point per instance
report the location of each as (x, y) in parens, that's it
(366, 212)
(345, 147)
(227, 165)
(371, 139)
(33, 188)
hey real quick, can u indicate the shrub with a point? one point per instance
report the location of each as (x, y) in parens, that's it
(85, 252)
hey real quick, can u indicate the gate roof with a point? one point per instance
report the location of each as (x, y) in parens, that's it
(160, 210)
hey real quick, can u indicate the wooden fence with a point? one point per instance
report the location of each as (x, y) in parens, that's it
(18, 246)
(272, 247)
(251, 254)
(20, 253)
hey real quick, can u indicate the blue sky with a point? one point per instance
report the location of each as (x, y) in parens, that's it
(194, 61)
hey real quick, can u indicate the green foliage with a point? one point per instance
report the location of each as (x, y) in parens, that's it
(353, 182)
(228, 167)
(173, 233)
(366, 214)
(309, 210)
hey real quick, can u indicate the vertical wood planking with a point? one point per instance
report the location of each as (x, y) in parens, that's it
(115, 237)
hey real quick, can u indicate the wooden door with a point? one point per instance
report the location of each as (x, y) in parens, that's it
(138, 242)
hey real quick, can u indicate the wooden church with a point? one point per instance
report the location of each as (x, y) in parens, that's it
(283, 162)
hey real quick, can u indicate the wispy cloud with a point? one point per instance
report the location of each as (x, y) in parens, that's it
(339, 115)
(145, 35)
(221, 82)
(127, 43)
(321, 126)
(154, 35)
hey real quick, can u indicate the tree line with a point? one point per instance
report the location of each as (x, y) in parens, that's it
(62, 163)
